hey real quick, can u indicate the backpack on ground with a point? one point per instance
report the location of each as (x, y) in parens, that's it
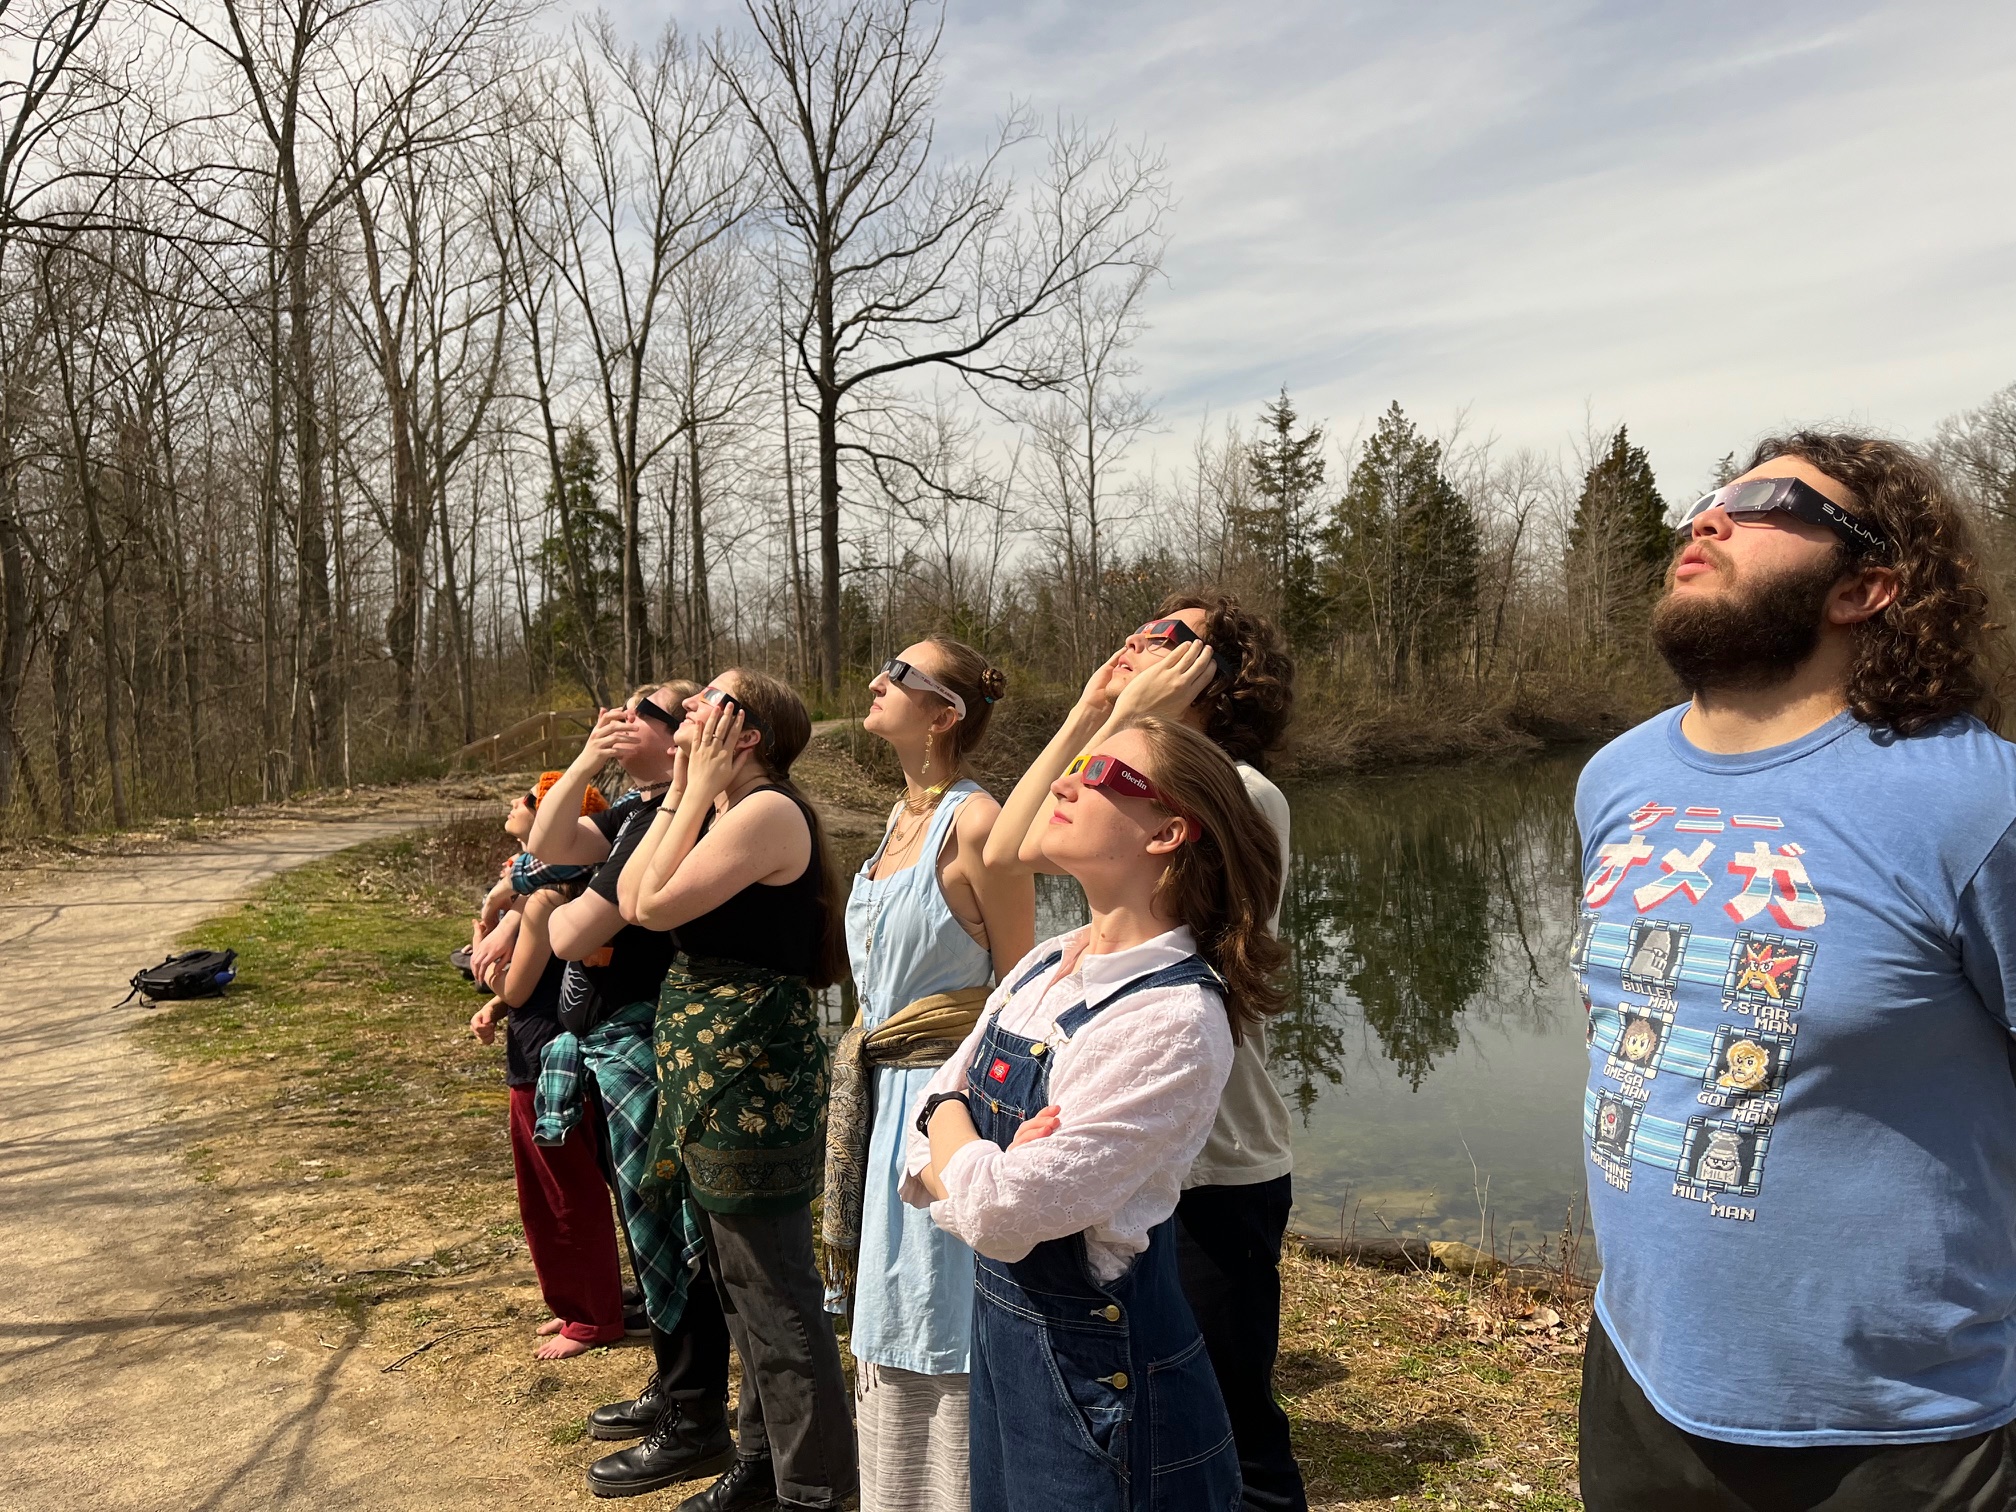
(192, 974)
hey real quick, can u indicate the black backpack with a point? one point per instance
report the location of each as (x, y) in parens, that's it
(192, 974)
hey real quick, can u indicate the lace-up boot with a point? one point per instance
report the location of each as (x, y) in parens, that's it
(686, 1443)
(749, 1486)
(617, 1421)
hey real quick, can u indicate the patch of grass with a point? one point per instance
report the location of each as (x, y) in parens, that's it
(1413, 1390)
(346, 1029)
(563, 1434)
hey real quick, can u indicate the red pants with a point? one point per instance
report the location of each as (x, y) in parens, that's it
(568, 1228)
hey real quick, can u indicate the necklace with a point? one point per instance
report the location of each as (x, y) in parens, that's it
(905, 833)
(925, 801)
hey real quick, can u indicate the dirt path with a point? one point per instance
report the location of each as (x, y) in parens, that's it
(127, 1377)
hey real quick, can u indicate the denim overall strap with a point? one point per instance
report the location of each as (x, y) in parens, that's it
(1037, 970)
(1087, 1394)
(1191, 971)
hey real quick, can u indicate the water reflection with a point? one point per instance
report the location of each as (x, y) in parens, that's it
(1418, 900)
(1411, 902)
(1433, 1044)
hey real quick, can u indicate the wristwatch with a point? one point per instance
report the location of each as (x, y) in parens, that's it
(931, 1106)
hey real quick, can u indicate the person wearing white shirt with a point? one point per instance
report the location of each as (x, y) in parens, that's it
(1208, 663)
(1057, 1140)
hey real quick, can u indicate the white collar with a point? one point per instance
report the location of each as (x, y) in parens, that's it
(1104, 975)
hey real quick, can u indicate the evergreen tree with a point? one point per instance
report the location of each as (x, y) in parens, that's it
(582, 564)
(1282, 527)
(1618, 542)
(1403, 551)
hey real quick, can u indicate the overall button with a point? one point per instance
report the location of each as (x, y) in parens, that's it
(1110, 1313)
(1117, 1380)
(1038, 1049)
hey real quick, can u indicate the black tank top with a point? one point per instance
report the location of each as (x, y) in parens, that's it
(779, 927)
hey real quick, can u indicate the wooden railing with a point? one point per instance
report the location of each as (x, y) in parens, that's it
(551, 739)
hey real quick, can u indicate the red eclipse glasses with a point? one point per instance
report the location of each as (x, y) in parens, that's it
(1175, 632)
(1120, 779)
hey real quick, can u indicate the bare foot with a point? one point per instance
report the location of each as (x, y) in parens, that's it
(560, 1347)
(550, 1327)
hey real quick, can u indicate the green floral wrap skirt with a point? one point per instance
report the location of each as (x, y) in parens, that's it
(742, 1077)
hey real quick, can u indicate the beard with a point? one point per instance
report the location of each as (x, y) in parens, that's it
(1752, 635)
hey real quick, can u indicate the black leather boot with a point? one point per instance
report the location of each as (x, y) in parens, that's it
(682, 1446)
(617, 1421)
(749, 1486)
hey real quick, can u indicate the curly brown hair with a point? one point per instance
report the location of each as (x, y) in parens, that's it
(1931, 654)
(1249, 712)
(1216, 883)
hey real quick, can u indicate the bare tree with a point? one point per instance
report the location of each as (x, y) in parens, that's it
(436, 304)
(1081, 429)
(651, 179)
(49, 88)
(715, 369)
(335, 92)
(897, 261)
(1979, 447)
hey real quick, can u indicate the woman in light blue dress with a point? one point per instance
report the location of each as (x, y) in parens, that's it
(928, 930)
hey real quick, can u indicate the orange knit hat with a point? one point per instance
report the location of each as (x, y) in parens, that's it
(592, 801)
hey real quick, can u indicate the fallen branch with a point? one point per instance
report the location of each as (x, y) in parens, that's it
(453, 1333)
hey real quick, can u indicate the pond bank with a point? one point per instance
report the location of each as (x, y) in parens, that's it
(348, 1144)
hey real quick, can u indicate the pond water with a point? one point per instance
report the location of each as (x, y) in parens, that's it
(1433, 1052)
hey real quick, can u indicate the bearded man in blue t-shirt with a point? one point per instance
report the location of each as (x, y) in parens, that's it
(1797, 948)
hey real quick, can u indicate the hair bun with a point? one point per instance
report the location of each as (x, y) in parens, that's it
(993, 683)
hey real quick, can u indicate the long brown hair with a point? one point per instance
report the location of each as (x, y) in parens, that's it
(1934, 652)
(787, 729)
(1247, 713)
(1222, 884)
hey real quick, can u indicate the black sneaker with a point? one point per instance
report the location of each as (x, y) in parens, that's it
(679, 1448)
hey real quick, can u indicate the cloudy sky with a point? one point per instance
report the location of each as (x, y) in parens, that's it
(1702, 219)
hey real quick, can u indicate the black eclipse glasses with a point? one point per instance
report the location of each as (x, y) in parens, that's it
(721, 698)
(648, 710)
(899, 671)
(1758, 496)
(1175, 632)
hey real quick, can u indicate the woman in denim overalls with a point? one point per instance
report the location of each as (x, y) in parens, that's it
(1057, 1140)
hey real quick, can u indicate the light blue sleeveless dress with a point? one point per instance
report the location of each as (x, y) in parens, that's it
(913, 1296)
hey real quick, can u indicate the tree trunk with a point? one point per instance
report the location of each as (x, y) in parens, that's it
(699, 605)
(459, 626)
(801, 624)
(108, 636)
(829, 542)
(274, 778)
(62, 647)
(316, 668)
(14, 623)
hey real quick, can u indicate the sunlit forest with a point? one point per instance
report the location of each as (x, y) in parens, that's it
(375, 374)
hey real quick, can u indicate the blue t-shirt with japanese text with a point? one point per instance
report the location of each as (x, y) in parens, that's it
(1798, 966)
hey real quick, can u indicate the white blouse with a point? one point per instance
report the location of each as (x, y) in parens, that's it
(1137, 1087)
